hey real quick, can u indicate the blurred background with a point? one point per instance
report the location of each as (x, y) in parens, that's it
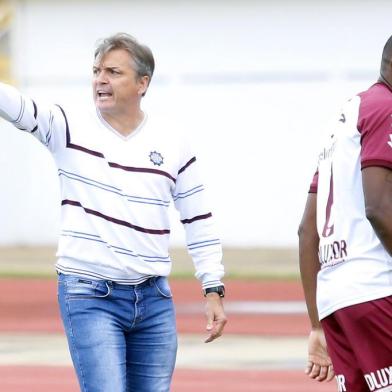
(252, 83)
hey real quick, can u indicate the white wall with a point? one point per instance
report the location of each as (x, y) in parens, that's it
(252, 82)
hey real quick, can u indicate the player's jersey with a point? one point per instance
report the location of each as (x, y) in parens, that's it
(355, 267)
(116, 193)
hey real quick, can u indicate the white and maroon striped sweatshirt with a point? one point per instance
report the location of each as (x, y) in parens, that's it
(116, 192)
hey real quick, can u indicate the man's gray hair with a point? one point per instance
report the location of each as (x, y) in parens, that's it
(141, 54)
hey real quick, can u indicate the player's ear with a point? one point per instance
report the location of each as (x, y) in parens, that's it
(143, 81)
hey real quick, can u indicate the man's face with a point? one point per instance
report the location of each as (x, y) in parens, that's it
(117, 88)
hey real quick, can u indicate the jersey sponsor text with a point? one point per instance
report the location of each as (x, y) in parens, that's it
(380, 380)
(332, 253)
(341, 381)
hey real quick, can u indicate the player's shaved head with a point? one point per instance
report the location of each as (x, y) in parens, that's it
(386, 60)
(386, 63)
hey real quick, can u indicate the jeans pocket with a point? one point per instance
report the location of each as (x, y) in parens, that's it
(162, 285)
(84, 288)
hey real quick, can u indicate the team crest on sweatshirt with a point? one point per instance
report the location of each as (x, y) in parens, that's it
(156, 158)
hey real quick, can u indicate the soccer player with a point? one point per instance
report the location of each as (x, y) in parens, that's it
(119, 171)
(345, 244)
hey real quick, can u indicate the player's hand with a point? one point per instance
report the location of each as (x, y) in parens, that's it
(319, 365)
(216, 318)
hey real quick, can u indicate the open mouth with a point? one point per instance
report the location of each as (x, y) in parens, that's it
(103, 94)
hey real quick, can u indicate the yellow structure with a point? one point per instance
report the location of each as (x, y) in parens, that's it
(6, 16)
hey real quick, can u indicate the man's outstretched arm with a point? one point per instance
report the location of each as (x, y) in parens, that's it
(46, 123)
(319, 364)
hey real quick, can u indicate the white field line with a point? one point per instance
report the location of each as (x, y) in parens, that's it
(249, 307)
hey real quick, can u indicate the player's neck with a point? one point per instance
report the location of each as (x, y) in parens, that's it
(386, 78)
(124, 123)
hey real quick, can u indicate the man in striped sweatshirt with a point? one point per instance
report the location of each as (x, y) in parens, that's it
(119, 171)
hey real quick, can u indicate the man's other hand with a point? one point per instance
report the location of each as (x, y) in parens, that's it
(216, 318)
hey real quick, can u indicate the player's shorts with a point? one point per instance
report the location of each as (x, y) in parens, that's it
(359, 339)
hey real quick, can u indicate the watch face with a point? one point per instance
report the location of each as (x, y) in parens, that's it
(221, 290)
(218, 289)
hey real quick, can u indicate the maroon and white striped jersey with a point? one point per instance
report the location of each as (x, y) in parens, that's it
(355, 267)
(116, 192)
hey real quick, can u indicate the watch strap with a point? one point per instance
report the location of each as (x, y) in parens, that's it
(220, 290)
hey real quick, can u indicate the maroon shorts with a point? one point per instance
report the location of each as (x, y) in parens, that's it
(359, 340)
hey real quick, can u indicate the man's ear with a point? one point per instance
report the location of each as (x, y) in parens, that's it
(144, 81)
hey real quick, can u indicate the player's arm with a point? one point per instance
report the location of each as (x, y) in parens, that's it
(308, 257)
(17, 109)
(203, 244)
(319, 364)
(43, 122)
(377, 189)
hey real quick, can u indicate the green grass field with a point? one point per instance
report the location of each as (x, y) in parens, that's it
(244, 263)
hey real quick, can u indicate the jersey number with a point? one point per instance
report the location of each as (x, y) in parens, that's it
(328, 229)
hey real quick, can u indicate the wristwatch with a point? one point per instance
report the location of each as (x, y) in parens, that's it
(217, 289)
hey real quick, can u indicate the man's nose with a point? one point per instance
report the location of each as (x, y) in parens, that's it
(101, 78)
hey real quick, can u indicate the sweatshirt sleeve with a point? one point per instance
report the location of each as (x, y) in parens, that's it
(203, 244)
(45, 122)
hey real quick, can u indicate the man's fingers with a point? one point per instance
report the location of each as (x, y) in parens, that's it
(213, 336)
(319, 373)
(315, 371)
(323, 373)
(319, 366)
(210, 328)
(331, 373)
(215, 315)
(308, 368)
(216, 330)
(220, 324)
(210, 338)
(210, 322)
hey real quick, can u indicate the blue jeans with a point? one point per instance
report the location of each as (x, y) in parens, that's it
(121, 338)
